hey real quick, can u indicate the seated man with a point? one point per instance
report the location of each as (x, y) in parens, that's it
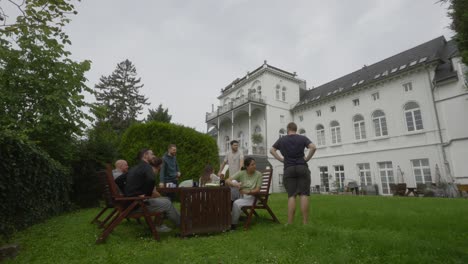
(140, 182)
(121, 167)
(248, 181)
(120, 174)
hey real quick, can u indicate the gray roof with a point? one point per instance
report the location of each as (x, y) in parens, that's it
(437, 50)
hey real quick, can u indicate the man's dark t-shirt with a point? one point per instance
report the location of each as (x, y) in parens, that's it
(292, 148)
(140, 180)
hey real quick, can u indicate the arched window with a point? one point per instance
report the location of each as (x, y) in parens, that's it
(282, 132)
(278, 88)
(335, 132)
(413, 116)
(302, 132)
(320, 135)
(283, 95)
(380, 123)
(359, 127)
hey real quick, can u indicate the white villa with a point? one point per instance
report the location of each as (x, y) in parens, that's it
(401, 119)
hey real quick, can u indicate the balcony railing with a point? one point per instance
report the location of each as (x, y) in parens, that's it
(237, 102)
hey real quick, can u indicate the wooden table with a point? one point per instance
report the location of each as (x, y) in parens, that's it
(203, 209)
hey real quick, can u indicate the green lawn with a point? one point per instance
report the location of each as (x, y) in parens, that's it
(343, 229)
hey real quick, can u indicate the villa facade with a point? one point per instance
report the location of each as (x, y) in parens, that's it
(399, 120)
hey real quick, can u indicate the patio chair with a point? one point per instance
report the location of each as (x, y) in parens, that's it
(261, 200)
(400, 189)
(107, 197)
(125, 208)
(393, 188)
(420, 189)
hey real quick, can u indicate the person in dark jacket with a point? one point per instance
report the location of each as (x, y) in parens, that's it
(141, 182)
(170, 172)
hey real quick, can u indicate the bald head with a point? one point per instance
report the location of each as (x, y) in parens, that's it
(122, 166)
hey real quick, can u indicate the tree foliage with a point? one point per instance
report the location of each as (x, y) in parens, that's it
(194, 149)
(160, 115)
(118, 96)
(40, 86)
(458, 11)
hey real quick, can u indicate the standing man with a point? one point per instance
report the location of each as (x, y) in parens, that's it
(170, 172)
(296, 176)
(235, 160)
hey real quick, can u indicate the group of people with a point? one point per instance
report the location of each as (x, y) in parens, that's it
(244, 179)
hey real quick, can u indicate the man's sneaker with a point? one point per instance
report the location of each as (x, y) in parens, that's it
(163, 229)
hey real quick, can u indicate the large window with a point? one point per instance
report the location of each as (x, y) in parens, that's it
(320, 135)
(359, 127)
(413, 116)
(386, 176)
(422, 172)
(339, 177)
(283, 95)
(335, 132)
(278, 88)
(324, 183)
(380, 123)
(365, 173)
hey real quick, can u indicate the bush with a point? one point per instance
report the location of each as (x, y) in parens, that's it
(194, 149)
(91, 156)
(33, 186)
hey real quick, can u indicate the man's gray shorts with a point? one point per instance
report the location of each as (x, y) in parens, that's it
(296, 180)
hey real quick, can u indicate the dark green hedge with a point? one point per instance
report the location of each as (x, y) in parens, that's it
(194, 149)
(33, 186)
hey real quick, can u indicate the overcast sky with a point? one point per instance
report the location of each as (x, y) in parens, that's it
(186, 51)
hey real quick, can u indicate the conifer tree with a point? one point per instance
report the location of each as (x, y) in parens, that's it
(118, 94)
(160, 114)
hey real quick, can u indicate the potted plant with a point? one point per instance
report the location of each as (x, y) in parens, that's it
(257, 138)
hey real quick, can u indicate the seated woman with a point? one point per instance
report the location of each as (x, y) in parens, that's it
(208, 176)
(248, 181)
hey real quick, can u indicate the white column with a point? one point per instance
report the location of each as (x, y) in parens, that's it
(250, 130)
(232, 125)
(219, 131)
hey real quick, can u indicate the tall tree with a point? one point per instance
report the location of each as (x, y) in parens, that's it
(119, 95)
(160, 114)
(458, 11)
(40, 86)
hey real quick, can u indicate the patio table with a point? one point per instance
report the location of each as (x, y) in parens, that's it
(203, 209)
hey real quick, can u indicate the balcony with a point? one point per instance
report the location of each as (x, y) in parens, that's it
(236, 103)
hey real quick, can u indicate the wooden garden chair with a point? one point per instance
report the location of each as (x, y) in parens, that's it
(125, 207)
(107, 197)
(261, 200)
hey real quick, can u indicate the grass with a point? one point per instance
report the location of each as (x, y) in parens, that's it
(342, 229)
